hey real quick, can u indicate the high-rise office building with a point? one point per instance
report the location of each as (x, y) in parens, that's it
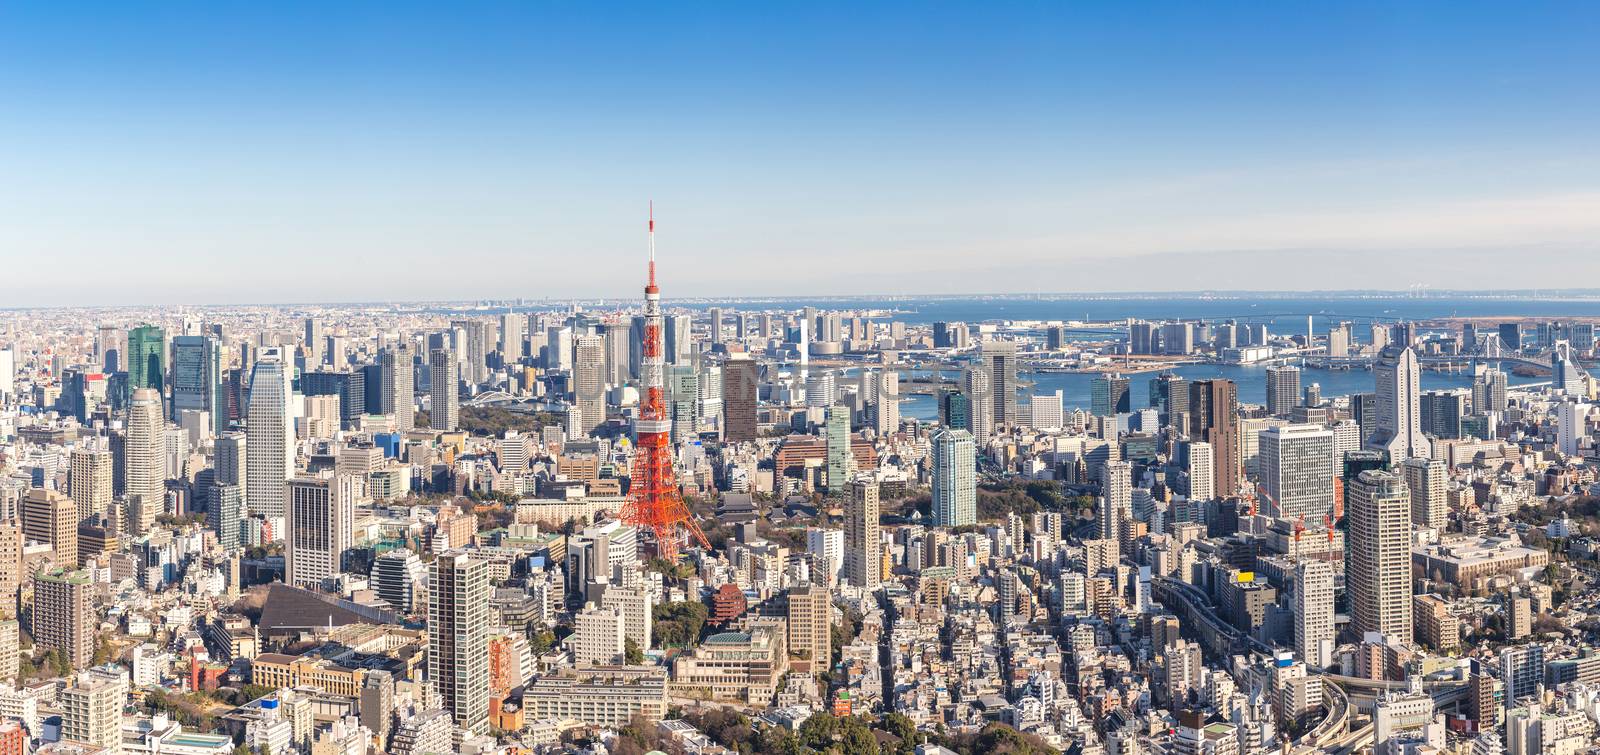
(397, 374)
(1169, 394)
(1488, 389)
(955, 478)
(197, 380)
(458, 637)
(1572, 426)
(396, 577)
(319, 527)
(350, 387)
(89, 480)
(589, 380)
(863, 560)
(1313, 612)
(1511, 335)
(315, 342)
(1108, 395)
(1398, 426)
(1440, 413)
(1001, 359)
(1426, 480)
(269, 448)
(50, 517)
(443, 406)
(683, 402)
(840, 460)
(147, 358)
(63, 617)
(144, 461)
(1283, 390)
(885, 406)
(512, 338)
(980, 402)
(225, 513)
(1214, 418)
(1297, 471)
(740, 393)
(1378, 562)
(230, 459)
(955, 410)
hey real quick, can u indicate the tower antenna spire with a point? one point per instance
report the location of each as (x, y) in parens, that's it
(652, 243)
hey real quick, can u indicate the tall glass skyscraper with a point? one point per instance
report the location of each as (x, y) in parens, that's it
(197, 379)
(955, 478)
(268, 437)
(147, 349)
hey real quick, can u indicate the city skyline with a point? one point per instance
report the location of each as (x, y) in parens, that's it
(817, 149)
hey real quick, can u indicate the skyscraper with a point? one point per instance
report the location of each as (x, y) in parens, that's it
(1200, 467)
(863, 562)
(225, 513)
(89, 481)
(1214, 418)
(443, 405)
(147, 351)
(1108, 395)
(458, 637)
(1297, 472)
(1378, 562)
(1313, 612)
(319, 528)
(1488, 389)
(1440, 413)
(1571, 426)
(1398, 426)
(1115, 508)
(512, 347)
(50, 517)
(1001, 359)
(980, 402)
(197, 379)
(314, 343)
(589, 382)
(1426, 480)
(740, 392)
(397, 369)
(955, 478)
(1283, 390)
(840, 461)
(1169, 394)
(886, 402)
(144, 462)
(269, 450)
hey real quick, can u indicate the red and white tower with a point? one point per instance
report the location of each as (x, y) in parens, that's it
(654, 500)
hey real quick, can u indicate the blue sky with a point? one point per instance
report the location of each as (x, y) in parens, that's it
(195, 152)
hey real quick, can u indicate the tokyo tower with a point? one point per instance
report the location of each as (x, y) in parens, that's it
(654, 500)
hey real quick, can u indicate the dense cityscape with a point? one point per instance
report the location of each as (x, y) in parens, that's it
(492, 528)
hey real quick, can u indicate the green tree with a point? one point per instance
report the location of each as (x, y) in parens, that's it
(818, 731)
(542, 641)
(631, 654)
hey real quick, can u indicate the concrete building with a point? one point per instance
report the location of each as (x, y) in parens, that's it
(955, 484)
(458, 635)
(863, 560)
(1297, 471)
(1314, 636)
(319, 528)
(1376, 572)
